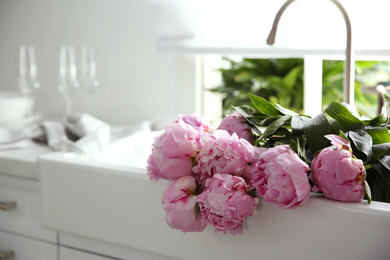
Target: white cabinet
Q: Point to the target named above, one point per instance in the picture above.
(72, 254)
(101, 249)
(20, 221)
(26, 248)
(23, 216)
(21, 230)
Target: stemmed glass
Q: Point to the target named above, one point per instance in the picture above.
(88, 78)
(27, 75)
(67, 76)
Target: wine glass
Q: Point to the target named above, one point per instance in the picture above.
(67, 76)
(27, 75)
(88, 78)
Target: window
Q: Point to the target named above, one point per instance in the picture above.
(312, 30)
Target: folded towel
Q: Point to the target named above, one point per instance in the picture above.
(81, 133)
(54, 133)
(25, 143)
(83, 124)
(94, 134)
(8, 136)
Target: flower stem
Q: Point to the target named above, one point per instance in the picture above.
(368, 167)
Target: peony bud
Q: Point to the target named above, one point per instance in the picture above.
(236, 123)
(338, 175)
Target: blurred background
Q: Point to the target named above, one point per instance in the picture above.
(162, 57)
(136, 83)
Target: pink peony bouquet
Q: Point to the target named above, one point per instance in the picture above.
(216, 173)
(209, 170)
(267, 152)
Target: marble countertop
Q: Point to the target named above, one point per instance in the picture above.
(22, 162)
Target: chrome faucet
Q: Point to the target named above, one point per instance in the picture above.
(349, 66)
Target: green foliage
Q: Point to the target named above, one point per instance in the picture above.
(277, 80)
(280, 81)
(367, 73)
(269, 94)
(370, 139)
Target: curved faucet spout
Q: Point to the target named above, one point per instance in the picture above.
(349, 66)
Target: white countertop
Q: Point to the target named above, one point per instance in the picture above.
(22, 162)
(20, 159)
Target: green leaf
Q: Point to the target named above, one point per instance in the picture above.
(294, 146)
(335, 127)
(268, 121)
(281, 136)
(243, 77)
(368, 192)
(380, 189)
(297, 123)
(244, 111)
(286, 111)
(341, 134)
(299, 148)
(379, 150)
(264, 106)
(196, 210)
(376, 121)
(385, 172)
(362, 142)
(379, 135)
(346, 120)
(315, 130)
(272, 128)
(291, 78)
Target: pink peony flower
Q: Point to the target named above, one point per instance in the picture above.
(172, 152)
(236, 123)
(338, 175)
(222, 153)
(248, 172)
(225, 203)
(179, 204)
(280, 177)
(197, 122)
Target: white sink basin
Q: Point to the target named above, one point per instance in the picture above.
(120, 205)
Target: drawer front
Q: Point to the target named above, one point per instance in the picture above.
(106, 249)
(26, 248)
(71, 254)
(24, 217)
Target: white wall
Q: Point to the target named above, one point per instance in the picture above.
(136, 82)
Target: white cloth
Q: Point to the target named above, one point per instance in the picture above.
(17, 144)
(16, 138)
(83, 124)
(92, 135)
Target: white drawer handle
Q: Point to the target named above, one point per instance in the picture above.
(6, 255)
(7, 206)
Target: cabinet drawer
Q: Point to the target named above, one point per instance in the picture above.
(71, 254)
(26, 248)
(106, 249)
(25, 217)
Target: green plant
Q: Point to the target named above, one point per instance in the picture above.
(281, 81)
(367, 74)
(278, 80)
